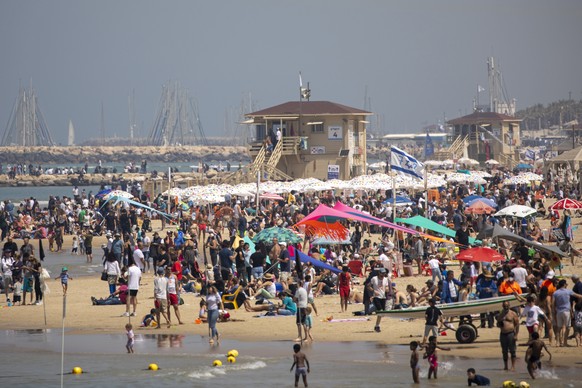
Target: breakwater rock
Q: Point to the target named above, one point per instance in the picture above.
(81, 154)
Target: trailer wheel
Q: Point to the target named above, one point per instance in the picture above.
(466, 334)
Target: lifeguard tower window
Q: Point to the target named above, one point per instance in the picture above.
(344, 153)
(317, 128)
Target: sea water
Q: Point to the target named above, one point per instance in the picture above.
(33, 358)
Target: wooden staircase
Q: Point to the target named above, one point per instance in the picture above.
(267, 162)
(455, 150)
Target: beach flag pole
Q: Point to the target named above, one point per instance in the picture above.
(63, 340)
(43, 288)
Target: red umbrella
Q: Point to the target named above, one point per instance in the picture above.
(479, 207)
(566, 203)
(481, 254)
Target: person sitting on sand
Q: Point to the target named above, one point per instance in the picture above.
(267, 290)
(118, 297)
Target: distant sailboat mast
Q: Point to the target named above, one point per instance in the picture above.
(71, 134)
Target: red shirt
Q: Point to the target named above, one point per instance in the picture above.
(177, 269)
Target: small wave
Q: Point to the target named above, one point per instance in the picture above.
(208, 372)
(547, 374)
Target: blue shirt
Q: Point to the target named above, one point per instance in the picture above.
(288, 304)
(562, 299)
(479, 381)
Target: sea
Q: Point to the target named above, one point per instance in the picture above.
(32, 358)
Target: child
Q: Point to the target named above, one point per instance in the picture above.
(149, 319)
(431, 355)
(533, 354)
(344, 287)
(130, 338)
(203, 315)
(64, 276)
(473, 378)
(308, 324)
(578, 323)
(17, 287)
(414, 361)
(74, 250)
(299, 361)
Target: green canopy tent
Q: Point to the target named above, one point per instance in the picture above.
(425, 223)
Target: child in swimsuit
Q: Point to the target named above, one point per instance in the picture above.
(300, 362)
(431, 355)
(414, 361)
(64, 276)
(130, 338)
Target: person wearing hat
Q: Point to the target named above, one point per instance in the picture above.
(435, 268)
(268, 288)
(381, 288)
(486, 288)
(117, 247)
(428, 292)
(64, 276)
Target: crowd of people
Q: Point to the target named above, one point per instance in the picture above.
(209, 250)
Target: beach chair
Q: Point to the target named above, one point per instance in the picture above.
(232, 301)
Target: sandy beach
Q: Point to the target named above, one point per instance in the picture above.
(84, 318)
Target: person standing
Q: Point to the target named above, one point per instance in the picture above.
(508, 323)
(161, 296)
(562, 311)
(301, 301)
(146, 241)
(111, 267)
(432, 316)
(214, 304)
(344, 285)
(173, 298)
(88, 243)
(133, 278)
(138, 257)
(117, 247)
(7, 262)
(226, 257)
(381, 289)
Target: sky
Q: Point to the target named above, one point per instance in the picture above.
(417, 61)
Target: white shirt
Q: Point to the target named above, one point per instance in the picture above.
(112, 268)
(133, 276)
(532, 314)
(160, 287)
(7, 263)
(452, 290)
(146, 244)
(138, 258)
(519, 275)
(434, 264)
(301, 297)
(379, 287)
(386, 262)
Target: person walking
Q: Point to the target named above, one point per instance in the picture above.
(214, 304)
(133, 278)
(508, 323)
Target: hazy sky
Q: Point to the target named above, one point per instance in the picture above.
(420, 60)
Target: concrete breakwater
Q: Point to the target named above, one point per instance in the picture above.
(84, 154)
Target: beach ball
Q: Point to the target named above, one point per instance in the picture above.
(77, 370)
(153, 367)
(233, 353)
(231, 360)
(524, 384)
(217, 363)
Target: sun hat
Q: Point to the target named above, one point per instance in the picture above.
(268, 276)
(282, 243)
(550, 274)
(160, 271)
(187, 237)
(487, 274)
(64, 269)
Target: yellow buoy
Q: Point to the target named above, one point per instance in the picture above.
(233, 353)
(524, 384)
(153, 367)
(77, 370)
(231, 359)
(217, 363)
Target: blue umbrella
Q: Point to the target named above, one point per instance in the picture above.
(471, 198)
(524, 166)
(400, 200)
(102, 193)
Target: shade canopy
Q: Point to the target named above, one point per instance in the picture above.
(425, 223)
(481, 254)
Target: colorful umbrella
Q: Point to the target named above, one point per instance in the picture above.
(271, 196)
(566, 203)
(118, 194)
(478, 206)
(282, 234)
(481, 254)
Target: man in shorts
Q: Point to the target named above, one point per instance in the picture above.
(161, 296)
(562, 306)
(133, 278)
(301, 300)
(381, 287)
(284, 262)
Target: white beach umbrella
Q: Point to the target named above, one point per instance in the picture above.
(491, 162)
(519, 211)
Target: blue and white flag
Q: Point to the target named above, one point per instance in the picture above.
(530, 154)
(428, 147)
(406, 164)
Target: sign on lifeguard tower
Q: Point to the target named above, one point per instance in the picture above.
(334, 133)
(333, 171)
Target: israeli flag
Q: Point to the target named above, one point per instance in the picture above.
(530, 154)
(406, 164)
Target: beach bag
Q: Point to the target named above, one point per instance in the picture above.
(104, 275)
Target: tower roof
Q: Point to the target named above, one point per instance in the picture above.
(308, 108)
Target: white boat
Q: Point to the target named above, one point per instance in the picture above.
(454, 309)
(466, 332)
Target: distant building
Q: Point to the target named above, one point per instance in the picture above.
(319, 139)
(487, 135)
